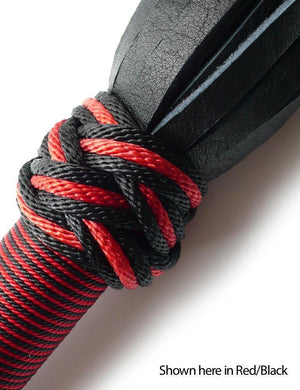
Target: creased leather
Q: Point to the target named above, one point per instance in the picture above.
(168, 43)
(155, 48)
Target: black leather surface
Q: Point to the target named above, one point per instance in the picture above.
(216, 48)
(241, 76)
(255, 119)
(172, 48)
(157, 43)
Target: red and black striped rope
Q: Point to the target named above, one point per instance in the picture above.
(103, 204)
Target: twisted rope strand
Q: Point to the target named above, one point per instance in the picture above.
(103, 204)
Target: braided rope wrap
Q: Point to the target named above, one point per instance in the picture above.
(104, 203)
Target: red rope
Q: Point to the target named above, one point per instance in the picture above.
(44, 293)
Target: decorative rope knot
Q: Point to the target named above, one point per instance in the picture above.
(108, 195)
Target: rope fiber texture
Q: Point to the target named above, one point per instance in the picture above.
(103, 204)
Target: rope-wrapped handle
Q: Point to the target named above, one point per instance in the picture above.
(104, 203)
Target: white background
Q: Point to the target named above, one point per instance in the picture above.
(234, 296)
